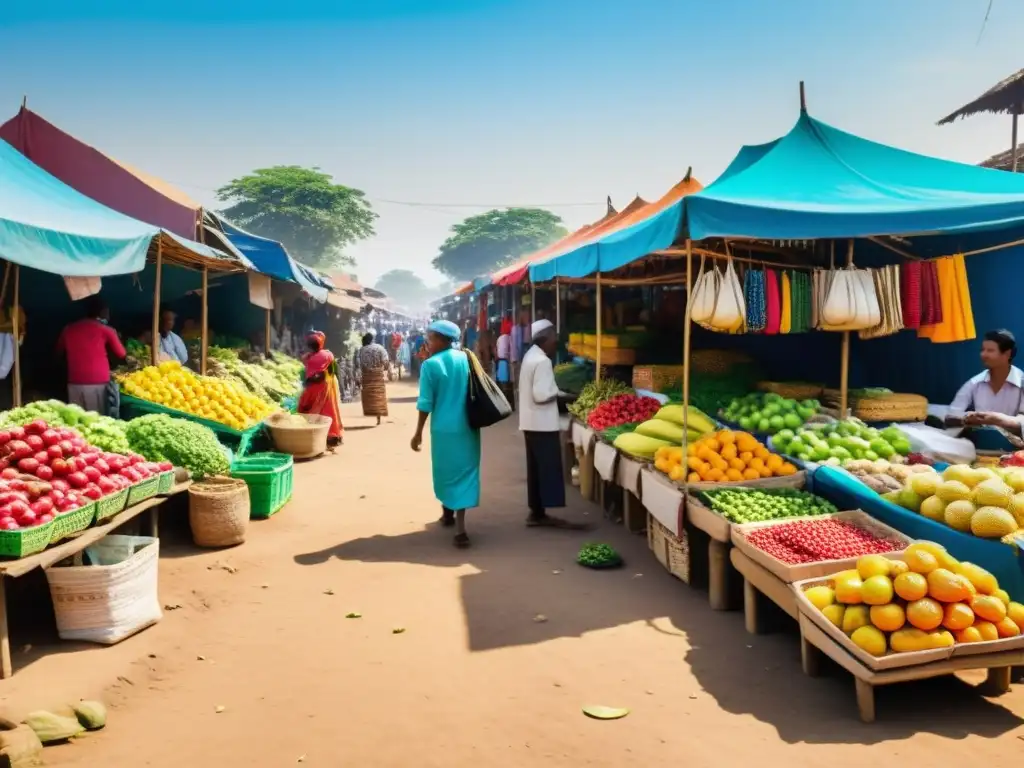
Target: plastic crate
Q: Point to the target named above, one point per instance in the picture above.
(27, 541)
(111, 504)
(143, 490)
(70, 523)
(269, 477)
(166, 482)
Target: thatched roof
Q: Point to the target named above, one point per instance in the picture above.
(1004, 160)
(1005, 97)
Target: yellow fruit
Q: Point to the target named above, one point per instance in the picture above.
(953, 490)
(877, 590)
(1003, 595)
(835, 613)
(925, 614)
(1015, 612)
(992, 523)
(920, 561)
(820, 597)
(870, 639)
(1015, 479)
(910, 586)
(925, 484)
(856, 616)
(982, 580)
(889, 617)
(941, 639)
(959, 514)
(992, 493)
(848, 588)
(989, 608)
(986, 629)
(934, 508)
(1006, 627)
(957, 616)
(907, 640)
(897, 568)
(872, 565)
(947, 587)
(969, 635)
(1016, 507)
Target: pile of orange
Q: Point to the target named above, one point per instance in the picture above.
(724, 456)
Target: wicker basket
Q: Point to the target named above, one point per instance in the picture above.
(717, 360)
(218, 511)
(672, 551)
(792, 389)
(298, 440)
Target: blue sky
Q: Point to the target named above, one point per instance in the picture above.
(496, 102)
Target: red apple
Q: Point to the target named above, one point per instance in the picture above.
(5, 437)
(60, 467)
(42, 457)
(78, 480)
(9, 474)
(43, 519)
(61, 485)
(92, 473)
(28, 466)
(36, 427)
(50, 436)
(44, 472)
(102, 466)
(17, 433)
(19, 449)
(35, 442)
(54, 452)
(8, 524)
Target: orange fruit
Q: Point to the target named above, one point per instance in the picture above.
(726, 437)
(969, 635)
(713, 445)
(1015, 611)
(1007, 628)
(888, 618)
(765, 472)
(920, 561)
(751, 474)
(987, 630)
(694, 463)
(692, 448)
(948, 587)
(677, 473)
(756, 463)
(733, 475)
(786, 470)
(910, 586)
(746, 456)
(989, 608)
(925, 613)
(739, 464)
(773, 462)
(715, 475)
(705, 453)
(729, 451)
(761, 452)
(958, 616)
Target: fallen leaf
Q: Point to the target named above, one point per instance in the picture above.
(219, 708)
(598, 712)
(200, 658)
(353, 615)
(264, 586)
(328, 591)
(172, 606)
(302, 759)
(397, 630)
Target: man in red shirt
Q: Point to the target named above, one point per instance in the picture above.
(86, 343)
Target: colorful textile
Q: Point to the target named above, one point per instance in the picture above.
(321, 393)
(772, 302)
(786, 314)
(753, 294)
(957, 323)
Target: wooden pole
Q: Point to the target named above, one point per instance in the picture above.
(266, 332)
(533, 303)
(16, 327)
(597, 375)
(1013, 138)
(844, 363)
(204, 343)
(803, 97)
(558, 311)
(686, 347)
(156, 300)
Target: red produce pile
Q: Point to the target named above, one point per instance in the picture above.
(71, 473)
(1015, 459)
(622, 409)
(811, 541)
(919, 458)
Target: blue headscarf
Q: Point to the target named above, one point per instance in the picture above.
(445, 328)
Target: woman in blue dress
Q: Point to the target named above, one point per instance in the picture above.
(454, 445)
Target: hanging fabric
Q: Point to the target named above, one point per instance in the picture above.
(786, 313)
(773, 302)
(931, 300)
(957, 323)
(753, 292)
(887, 289)
(910, 294)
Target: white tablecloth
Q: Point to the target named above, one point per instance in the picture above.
(662, 499)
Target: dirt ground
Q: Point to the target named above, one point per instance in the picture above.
(475, 679)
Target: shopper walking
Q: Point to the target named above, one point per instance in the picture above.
(454, 445)
(320, 393)
(373, 371)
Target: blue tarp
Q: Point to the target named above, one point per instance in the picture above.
(269, 258)
(820, 182)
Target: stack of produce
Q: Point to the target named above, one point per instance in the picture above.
(101, 431)
(724, 456)
(839, 441)
(137, 357)
(595, 393)
(769, 413)
(883, 476)
(269, 380)
(573, 377)
(755, 505)
(814, 541)
(926, 601)
(72, 472)
(219, 400)
(185, 444)
(988, 503)
(622, 409)
(664, 431)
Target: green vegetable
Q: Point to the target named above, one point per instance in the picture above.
(768, 412)
(597, 392)
(598, 556)
(184, 443)
(752, 505)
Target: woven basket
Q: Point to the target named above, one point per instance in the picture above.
(894, 407)
(218, 511)
(792, 389)
(298, 440)
(717, 360)
(673, 552)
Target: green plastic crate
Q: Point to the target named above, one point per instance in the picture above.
(244, 437)
(111, 504)
(27, 541)
(143, 490)
(70, 523)
(269, 477)
(166, 482)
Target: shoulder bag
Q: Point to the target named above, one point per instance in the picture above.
(485, 403)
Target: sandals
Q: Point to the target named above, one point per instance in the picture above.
(461, 541)
(447, 521)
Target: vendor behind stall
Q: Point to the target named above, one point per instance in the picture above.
(171, 344)
(86, 343)
(995, 397)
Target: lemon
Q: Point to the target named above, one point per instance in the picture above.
(869, 639)
(872, 565)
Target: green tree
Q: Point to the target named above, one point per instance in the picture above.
(405, 287)
(314, 218)
(482, 243)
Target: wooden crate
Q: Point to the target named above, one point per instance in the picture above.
(788, 572)
(797, 480)
(673, 552)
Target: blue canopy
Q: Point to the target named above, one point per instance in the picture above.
(269, 258)
(820, 182)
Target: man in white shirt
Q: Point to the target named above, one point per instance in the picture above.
(539, 423)
(995, 397)
(171, 344)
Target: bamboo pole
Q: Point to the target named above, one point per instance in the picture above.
(686, 349)
(844, 364)
(597, 375)
(16, 323)
(533, 303)
(266, 333)
(204, 343)
(1013, 139)
(156, 300)
(558, 315)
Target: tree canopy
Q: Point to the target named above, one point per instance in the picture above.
(314, 218)
(482, 243)
(405, 287)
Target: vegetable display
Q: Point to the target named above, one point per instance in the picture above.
(622, 409)
(573, 377)
(598, 556)
(270, 380)
(769, 413)
(722, 456)
(812, 541)
(594, 393)
(841, 441)
(884, 476)
(663, 431)
(184, 443)
(927, 600)
(100, 431)
(752, 505)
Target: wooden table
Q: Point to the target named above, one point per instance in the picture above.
(719, 531)
(759, 584)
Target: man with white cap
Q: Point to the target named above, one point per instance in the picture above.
(539, 423)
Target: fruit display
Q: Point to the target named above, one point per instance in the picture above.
(71, 473)
(754, 505)
(270, 380)
(100, 431)
(813, 541)
(622, 409)
(883, 476)
(573, 377)
(594, 393)
(184, 443)
(843, 440)
(639, 446)
(769, 413)
(722, 456)
(172, 386)
(985, 502)
(928, 600)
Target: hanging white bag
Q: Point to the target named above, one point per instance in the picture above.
(730, 307)
(704, 294)
(840, 308)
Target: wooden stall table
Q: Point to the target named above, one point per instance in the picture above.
(583, 440)
(719, 531)
(606, 460)
(627, 477)
(13, 569)
(759, 584)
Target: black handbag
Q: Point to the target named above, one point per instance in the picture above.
(485, 403)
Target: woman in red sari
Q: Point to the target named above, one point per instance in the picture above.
(321, 394)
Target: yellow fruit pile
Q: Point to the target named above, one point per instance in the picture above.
(220, 400)
(723, 456)
(927, 600)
